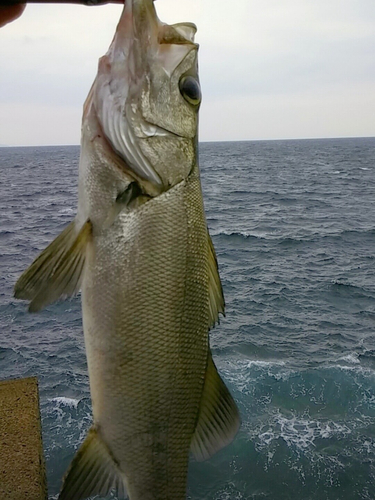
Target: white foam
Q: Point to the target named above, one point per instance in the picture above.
(229, 493)
(353, 367)
(352, 358)
(299, 432)
(242, 373)
(63, 401)
(368, 446)
(238, 232)
(264, 364)
(241, 364)
(67, 211)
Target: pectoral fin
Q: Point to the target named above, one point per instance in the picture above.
(93, 471)
(219, 419)
(57, 271)
(124, 199)
(216, 297)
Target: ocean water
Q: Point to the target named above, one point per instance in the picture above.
(293, 223)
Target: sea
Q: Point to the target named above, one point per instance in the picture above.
(293, 224)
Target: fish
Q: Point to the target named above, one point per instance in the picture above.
(140, 252)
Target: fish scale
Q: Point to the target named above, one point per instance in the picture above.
(172, 324)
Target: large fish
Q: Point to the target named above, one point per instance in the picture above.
(140, 251)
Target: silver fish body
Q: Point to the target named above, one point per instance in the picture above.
(146, 338)
(140, 251)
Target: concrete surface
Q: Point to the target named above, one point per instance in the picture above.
(22, 469)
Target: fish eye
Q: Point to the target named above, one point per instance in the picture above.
(190, 90)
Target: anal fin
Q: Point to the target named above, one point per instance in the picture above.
(219, 419)
(93, 471)
(57, 271)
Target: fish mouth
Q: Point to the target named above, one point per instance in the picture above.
(120, 71)
(125, 75)
(139, 22)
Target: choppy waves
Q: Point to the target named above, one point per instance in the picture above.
(293, 227)
(302, 427)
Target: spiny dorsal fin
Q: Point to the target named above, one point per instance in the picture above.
(57, 271)
(215, 289)
(218, 420)
(93, 471)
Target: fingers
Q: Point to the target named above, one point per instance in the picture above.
(10, 13)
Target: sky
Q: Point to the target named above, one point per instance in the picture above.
(269, 69)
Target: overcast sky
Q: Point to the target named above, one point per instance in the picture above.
(269, 69)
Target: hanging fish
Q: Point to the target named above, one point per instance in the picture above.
(140, 251)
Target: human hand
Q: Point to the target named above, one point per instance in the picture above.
(9, 13)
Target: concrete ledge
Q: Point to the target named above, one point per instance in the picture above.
(22, 469)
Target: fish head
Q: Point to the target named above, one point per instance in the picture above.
(147, 95)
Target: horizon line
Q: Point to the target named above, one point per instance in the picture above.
(210, 141)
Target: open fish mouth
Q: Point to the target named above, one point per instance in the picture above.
(137, 96)
(119, 75)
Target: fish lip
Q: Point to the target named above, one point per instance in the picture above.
(141, 21)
